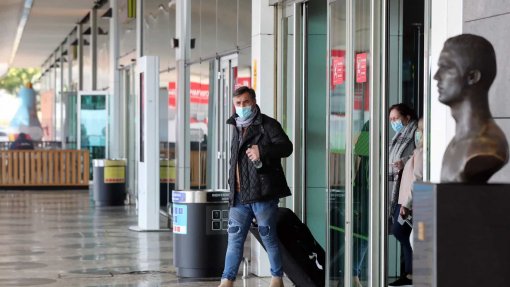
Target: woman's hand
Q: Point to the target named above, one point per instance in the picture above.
(399, 165)
(404, 212)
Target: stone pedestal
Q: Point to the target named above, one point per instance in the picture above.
(461, 235)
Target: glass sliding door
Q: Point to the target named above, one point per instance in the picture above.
(353, 150)
(303, 46)
(291, 91)
(337, 141)
(360, 137)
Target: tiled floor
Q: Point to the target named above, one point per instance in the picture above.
(56, 238)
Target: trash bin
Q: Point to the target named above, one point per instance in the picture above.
(200, 222)
(109, 186)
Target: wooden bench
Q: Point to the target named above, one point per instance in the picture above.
(44, 168)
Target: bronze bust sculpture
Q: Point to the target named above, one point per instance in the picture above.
(467, 68)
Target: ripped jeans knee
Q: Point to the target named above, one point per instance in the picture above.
(233, 227)
(264, 230)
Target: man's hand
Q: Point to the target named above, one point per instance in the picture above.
(404, 212)
(253, 153)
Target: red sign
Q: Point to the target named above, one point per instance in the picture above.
(361, 68)
(338, 68)
(243, 81)
(199, 93)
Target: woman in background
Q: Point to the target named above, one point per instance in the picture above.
(402, 227)
(404, 122)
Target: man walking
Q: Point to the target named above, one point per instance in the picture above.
(256, 182)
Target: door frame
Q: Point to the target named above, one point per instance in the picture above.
(222, 110)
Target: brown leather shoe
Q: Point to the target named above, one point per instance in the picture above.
(226, 283)
(276, 282)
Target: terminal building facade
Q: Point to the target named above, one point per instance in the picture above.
(328, 70)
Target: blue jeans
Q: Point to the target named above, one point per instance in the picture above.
(239, 221)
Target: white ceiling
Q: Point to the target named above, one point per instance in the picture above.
(49, 22)
(10, 13)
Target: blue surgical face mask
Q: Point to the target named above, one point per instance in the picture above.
(244, 112)
(417, 138)
(397, 126)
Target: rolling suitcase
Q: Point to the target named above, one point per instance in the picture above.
(302, 257)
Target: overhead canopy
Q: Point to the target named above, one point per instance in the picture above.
(48, 24)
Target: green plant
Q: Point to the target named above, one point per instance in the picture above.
(16, 77)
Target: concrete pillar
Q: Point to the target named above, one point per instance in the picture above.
(263, 56)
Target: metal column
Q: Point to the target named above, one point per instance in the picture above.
(93, 48)
(182, 146)
(115, 131)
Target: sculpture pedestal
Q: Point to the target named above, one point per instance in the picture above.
(461, 235)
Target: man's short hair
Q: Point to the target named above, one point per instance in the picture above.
(243, 90)
(478, 54)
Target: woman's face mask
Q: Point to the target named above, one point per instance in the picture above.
(417, 138)
(244, 112)
(397, 126)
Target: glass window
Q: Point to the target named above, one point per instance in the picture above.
(226, 21)
(208, 43)
(103, 52)
(200, 90)
(127, 29)
(167, 135)
(73, 50)
(244, 23)
(219, 26)
(87, 65)
(158, 31)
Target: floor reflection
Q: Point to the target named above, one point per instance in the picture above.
(56, 238)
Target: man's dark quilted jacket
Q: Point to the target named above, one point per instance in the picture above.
(269, 181)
